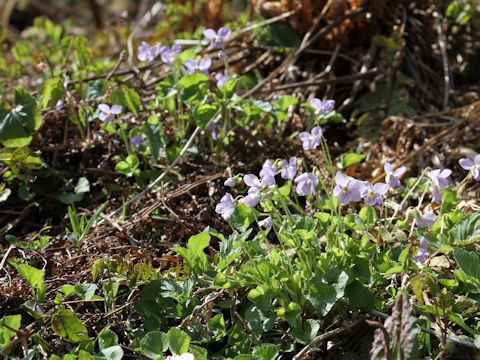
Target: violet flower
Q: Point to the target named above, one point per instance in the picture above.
(306, 184)
(392, 177)
(221, 78)
(252, 199)
(226, 207)
(253, 182)
(347, 188)
(230, 182)
(266, 223)
(136, 141)
(217, 39)
(256, 185)
(424, 221)
(107, 113)
(268, 169)
(439, 182)
(147, 53)
(193, 67)
(59, 104)
(213, 127)
(311, 140)
(289, 169)
(170, 55)
(473, 166)
(423, 255)
(322, 107)
(374, 194)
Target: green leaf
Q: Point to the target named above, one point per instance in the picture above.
(197, 243)
(34, 277)
(68, 326)
(17, 124)
(449, 200)
(350, 159)
(6, 335)
(52, 91)
(290, 312)
(86, 291)
(199, 353)
(154, 344)
(25, 193)
(128, 98)
(459, 12)
(107, 338)
(110, 353)
(261, 296)
(82, 52)
(192, 80)
(267, 352)
(243, 216)
(285, 102)
(97, 268)
(467, 231)
(368, 215)
(186, 55)
(96, 89)
(458, 319)
(307, 331)
(228, 89)
(323, 292)
(359, 296)
(127, 166)
(193, 254)
(156, 139)
(205, 113)
(179, 341)
(468, 262)
(66, 45)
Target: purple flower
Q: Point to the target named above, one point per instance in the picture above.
(221, 78)
(268, 170)
(226, 207)
(311, 140)
(219, 38)
(439, 182)
(58, 105)
(170, 55)
(137, 140)
(347, 188)
(251, 199)
(289, 169)
(374, 194)
(253, 181)
(424, 221)
(230, 182)
(423, 255)
(213, 128)
(392, 177)
(306, 184)
(266, 223)
(322, 107)
(107, 114)
(256, 185)
(192, 66)
(147, 53)
(473, 166)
